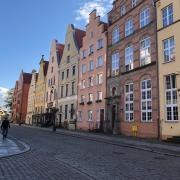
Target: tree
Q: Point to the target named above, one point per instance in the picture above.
(9, 99)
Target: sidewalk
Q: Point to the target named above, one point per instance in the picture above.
(11, 146)
(151, 145)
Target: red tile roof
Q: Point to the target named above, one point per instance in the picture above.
(79, 34)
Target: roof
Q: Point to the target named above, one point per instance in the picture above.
(60, 48)
(79, 34)
(27, 78)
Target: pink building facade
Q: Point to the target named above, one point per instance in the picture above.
(92, 76)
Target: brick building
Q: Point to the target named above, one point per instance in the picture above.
(92, 75)
(20, 98)
(132, 83)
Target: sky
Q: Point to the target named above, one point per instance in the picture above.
(27, 28)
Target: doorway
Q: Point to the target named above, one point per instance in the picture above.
(101, 127)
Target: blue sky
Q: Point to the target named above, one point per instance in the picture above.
(27, 28)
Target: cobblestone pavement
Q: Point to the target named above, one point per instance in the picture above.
(57, 156)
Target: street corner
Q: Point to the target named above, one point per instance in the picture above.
(11, 146)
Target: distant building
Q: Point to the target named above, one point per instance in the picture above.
(40, 91)
(52, 77)
(168, 29)
(31, 98)
(20, 98)
(92, 76)
(68, 77)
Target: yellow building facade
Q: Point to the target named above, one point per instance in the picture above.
(168, 33)
(40, 88)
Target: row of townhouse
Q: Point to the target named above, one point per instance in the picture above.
(121, 77)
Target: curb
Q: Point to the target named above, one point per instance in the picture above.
(26, 148)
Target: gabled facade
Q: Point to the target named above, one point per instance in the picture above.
(31, 98)
(68, 77)
(92, 76)
(20, 98)
(132, 83)
(40, 90)
(168, 29)
(52, 77)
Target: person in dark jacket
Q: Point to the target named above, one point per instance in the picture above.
(4, 127)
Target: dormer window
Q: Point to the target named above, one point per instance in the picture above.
(123, 10)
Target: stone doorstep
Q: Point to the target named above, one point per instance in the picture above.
(120, 140)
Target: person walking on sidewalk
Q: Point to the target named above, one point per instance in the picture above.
(4, 127)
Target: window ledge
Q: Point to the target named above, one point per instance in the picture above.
(171, 121)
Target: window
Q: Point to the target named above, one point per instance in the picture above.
(90, 81)
(91, 65)
(46, 96)
(144, 17)
(55, 94)
(62, 77)
(67, 89)
(167, 15)
(145, 54)
(91, 35)
(53, 59)
(73, 70)
(91, 49)
(68, 59)
(114, 91)
(134, 3)
(129, 58)
(100, 43)
(129, 28)
(68, 47)
(90, 97)
(146, 100)
(115, 63)
(67, 73)
(82, 85)
(82, 98)
(54, 81)
(66, 111)
(73, 88)
(100, 61)
(99, 79)
(72, 110)
(84, 54)
(62, 89)
(90, 114)
(168, 49)
(115, 35)
(129, 106)
(123, 10)
(52, 69)
(99, 95)
(171, 98)
(83, 68)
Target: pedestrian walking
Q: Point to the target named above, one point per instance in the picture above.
(4, 127)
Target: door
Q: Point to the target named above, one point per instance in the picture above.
(101, 120)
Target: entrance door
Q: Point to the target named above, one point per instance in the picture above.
(113, 116)
(101, 120)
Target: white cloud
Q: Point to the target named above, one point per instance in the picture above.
(3, 94)
(102, 7)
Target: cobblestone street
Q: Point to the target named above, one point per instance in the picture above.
(56, 156)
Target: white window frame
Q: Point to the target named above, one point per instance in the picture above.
(99, 95)
(91, 65)
(100, 44)
(129, 27)
(134, 3)
(146, 100)
(171, 103)
(90, 81)
(115, 63)
(129, 102)
(123, 10)
(169, 49)
(83, 68)
(129, 58)
(99, 79)
(144, 17)
(115, 34)
(90, 115)
(99, 61)
(145, 51)
(167, 19)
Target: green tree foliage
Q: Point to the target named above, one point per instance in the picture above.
(8, 100)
